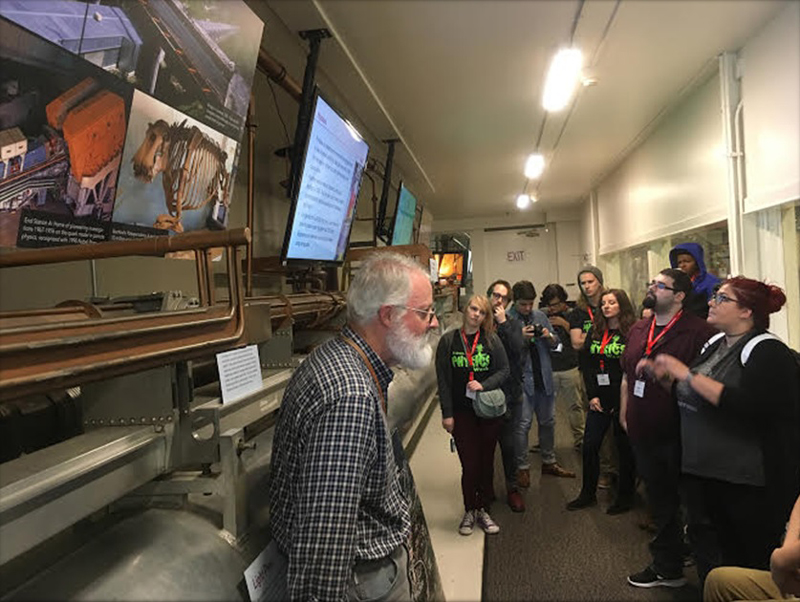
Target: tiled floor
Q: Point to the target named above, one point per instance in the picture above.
(437, 474)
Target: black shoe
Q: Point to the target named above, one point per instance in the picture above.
(619, 507)
(649, 578)
(581, 502)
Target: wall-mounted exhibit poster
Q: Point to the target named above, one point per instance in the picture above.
(176, 172)
(84, 156)
(62, 128)
(196, 56)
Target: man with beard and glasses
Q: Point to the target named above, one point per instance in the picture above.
(339, 515)
(509, 330)
(649, 414)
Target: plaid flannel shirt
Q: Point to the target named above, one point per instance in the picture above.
(334, 491)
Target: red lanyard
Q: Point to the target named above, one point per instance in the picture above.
(651, 342)
(591, 315)
(471, 351)
(606, 340)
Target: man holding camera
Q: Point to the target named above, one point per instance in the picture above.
(537, 385)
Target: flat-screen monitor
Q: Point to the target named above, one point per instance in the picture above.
(323, 210)
(404, 215)
(451, 267)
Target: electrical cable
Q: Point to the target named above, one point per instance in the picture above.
(283, 123)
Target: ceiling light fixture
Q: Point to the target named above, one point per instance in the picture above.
(534, 166)
(523, 201)
(562, 77)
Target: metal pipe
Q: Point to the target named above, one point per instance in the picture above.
(93, 271)
(251, 141)
(277, 73)
(157, 246)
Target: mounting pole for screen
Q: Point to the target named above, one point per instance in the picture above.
(387, 180)
(314, 37)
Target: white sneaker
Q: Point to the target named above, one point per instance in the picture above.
(467, 523)
(486, 523)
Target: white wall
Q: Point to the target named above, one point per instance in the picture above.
(554, 256)
(771, 97)
(674, 181)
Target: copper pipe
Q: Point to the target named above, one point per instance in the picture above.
(157, 245)
(277, 73)
(251, 141)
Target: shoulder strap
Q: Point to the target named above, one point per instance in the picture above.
(371, 370)
(711, 341)
(748, 348)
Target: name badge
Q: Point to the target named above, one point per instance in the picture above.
(470, 394)
(604, 380)
(638, 388)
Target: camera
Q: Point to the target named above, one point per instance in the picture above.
(538, 330)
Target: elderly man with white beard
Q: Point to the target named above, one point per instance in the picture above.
(338, 514)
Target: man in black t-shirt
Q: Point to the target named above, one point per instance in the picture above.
(567, 381)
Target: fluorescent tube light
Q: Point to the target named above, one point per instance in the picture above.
(561, 79)
(534, 166)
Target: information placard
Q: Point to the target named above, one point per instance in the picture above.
(239, 373)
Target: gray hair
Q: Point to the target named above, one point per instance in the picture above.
(381, 279)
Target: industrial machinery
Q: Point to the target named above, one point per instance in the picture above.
(140, 483)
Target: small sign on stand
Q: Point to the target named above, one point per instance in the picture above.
(239, 373)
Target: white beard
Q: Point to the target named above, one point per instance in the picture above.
(409, 350)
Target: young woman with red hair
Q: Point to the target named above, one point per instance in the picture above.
(740, 427)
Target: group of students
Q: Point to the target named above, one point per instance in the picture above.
(703, 401)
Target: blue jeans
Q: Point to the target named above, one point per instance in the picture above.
(544, 407)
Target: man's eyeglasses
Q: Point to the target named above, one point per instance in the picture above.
(659, 285)
(429, 313)
(499, 297)
(723, 298)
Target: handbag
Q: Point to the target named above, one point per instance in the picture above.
(489, 404)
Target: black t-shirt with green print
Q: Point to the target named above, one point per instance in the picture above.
(596, 360)
(481, 363)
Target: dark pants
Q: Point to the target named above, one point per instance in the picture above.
(659, 464)
(476, 439)
(597, 424)
(508, 443)
(730, 525)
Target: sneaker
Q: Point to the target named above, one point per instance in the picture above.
(581, 502)
(515, 501)
(467, 523)
(649, 578)
(486, 523)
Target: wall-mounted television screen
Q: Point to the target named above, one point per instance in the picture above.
(451, 267)
(404, 215)
(323, 210)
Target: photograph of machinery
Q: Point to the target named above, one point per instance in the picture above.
(62, 128)
(176, 172)
(196, 56)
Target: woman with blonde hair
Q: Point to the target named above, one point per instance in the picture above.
(469, 360)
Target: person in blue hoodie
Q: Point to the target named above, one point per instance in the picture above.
(688, 258)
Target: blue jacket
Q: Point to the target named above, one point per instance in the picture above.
(542, 347)
(704, 282)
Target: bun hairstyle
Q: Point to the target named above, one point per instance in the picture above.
(759, 297)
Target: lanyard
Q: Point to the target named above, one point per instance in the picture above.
(371, 370)
(470, 352)
(651, 342)
(606, 340)
(591, 314)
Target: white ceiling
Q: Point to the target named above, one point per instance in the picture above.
(460, 83)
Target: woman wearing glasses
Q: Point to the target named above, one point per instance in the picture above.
(602, 375)
(740, 427)
(468, 360)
